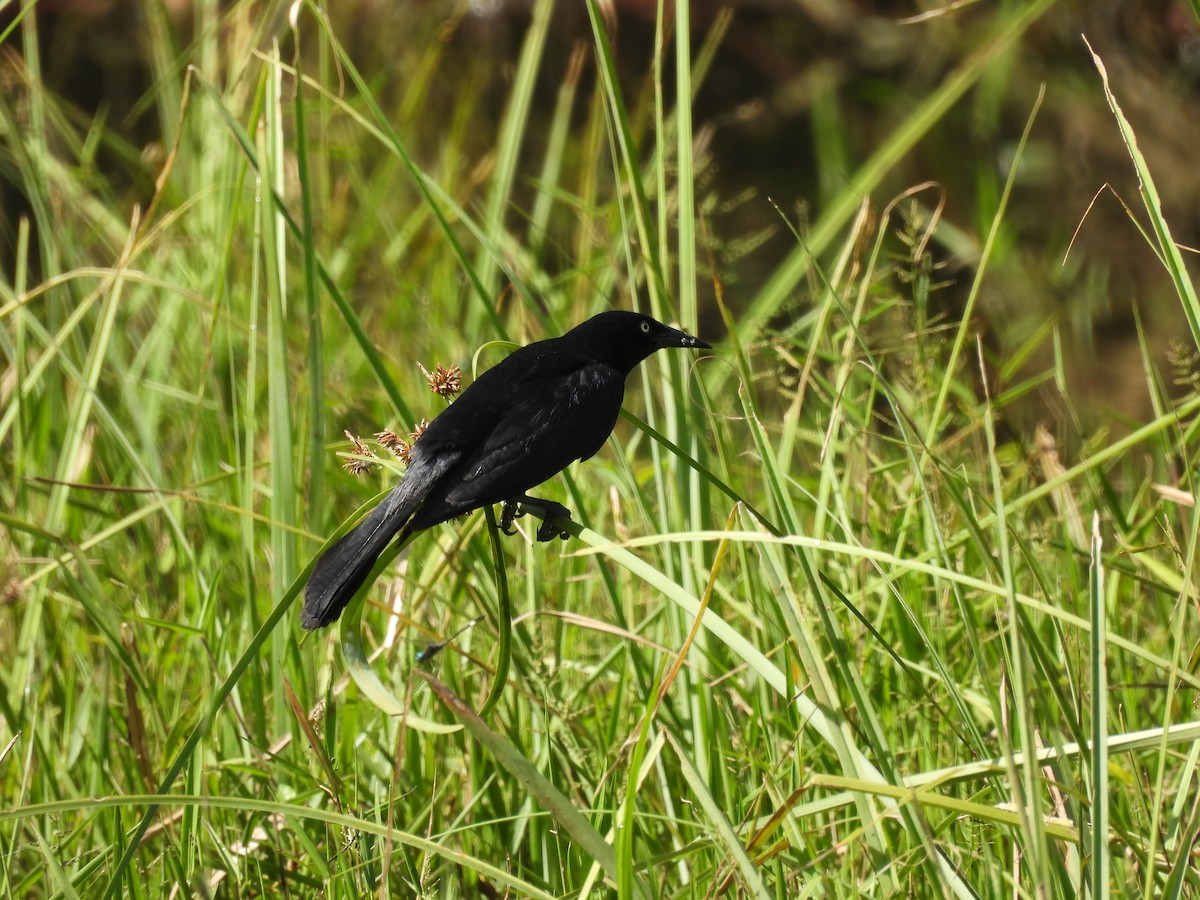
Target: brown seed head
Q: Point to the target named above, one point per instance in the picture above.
(400, 448)
(443, 381)
(353, 464)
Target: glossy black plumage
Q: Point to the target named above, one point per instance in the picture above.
(520, 423)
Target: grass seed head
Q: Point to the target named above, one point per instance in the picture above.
(353, 464)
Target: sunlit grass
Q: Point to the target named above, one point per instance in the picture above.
(826, 624)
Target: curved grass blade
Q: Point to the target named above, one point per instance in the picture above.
(506, 753)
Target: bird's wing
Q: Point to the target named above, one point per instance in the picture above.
(553, 423)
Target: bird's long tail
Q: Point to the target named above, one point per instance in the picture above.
(345, 566)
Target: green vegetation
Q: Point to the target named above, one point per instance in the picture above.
(833, 626)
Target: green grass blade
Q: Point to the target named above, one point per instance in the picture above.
(1169, 251)
(751, 879)
(1099, 865)
(564, 812)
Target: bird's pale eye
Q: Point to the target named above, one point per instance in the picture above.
(645, 328)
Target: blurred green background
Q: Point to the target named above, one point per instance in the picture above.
(798, 96)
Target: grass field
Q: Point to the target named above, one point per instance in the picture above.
(830, 625)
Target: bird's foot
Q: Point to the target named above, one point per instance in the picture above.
(509, 513)
(550, 512)
(550, 529)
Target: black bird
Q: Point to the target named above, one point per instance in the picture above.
(520, 423)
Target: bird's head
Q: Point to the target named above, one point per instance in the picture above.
(624, 339)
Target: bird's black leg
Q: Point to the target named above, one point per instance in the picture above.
(548, 511)
(509, 513)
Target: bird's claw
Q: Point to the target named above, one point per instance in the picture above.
(510, 512)
(550, 529)
(552, 515)
(550, 512)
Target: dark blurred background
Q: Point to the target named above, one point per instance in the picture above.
(798, 96)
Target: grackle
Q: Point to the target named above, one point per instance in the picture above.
(520, 423)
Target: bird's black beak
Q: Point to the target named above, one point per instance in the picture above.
(675, 338)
